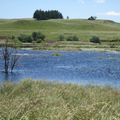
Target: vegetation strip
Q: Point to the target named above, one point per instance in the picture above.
(40, 100)
(62, 34)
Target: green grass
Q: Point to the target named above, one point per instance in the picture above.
(38, 100)
(84, 29)
(52, 28)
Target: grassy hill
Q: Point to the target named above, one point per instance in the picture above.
(84, 29)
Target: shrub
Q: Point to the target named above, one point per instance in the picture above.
(72, 38)
(92, 18)
(38, 36)
(13, 37)
(61, 37)
(112, 45)
(56, 54)
(25, 38)
(95, 39)
(75, 38)
(39, 41)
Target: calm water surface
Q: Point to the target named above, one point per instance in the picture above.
(83, 67)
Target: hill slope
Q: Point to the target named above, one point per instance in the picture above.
(84, 29)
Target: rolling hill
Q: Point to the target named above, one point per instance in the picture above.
(106, 30)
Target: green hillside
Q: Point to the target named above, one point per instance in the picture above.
(106, 30)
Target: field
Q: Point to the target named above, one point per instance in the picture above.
(107, 31)
(38, 100)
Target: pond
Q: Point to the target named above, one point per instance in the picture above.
(79, 67)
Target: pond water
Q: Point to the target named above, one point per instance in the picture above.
(83, 67)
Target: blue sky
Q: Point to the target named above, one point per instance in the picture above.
(103, 9)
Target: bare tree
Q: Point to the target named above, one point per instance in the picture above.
(9, 56)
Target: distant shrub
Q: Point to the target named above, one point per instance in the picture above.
(25, 38)
(39, 41)
(61, 37)
(12, 37)
(72, 38)
(92, 18)
(38, 36)
(112, 45)
(95, 39)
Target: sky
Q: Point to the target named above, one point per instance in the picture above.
(103, 9)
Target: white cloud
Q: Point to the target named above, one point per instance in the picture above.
(100, 1)
(112, 13)
(97, 1)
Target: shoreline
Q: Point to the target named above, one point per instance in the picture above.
(81, 49)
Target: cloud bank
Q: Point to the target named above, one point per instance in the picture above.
(113, 13)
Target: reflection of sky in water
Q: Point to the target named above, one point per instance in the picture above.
(101, 68)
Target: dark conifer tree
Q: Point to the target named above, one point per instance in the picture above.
(45, 15)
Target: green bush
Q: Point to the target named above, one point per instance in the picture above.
(38, 36)
(72, 38)
(61, 37)
(25, 38)
(13, 37)
(39, 41)
(112, 45)
(95, 39)
(56, 54)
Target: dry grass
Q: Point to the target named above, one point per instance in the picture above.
(38, 100)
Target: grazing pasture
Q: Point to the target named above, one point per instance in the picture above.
(107, 31)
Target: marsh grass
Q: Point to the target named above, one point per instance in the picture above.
(38, 100)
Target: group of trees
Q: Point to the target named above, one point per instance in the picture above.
(92, 18)
(45, 15)
(52, 14)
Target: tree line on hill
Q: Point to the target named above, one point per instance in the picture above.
(45, 15)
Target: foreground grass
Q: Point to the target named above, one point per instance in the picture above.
(38, 100)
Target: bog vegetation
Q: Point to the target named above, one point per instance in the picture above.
(38, 100)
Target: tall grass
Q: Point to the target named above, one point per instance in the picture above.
(38, 100)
